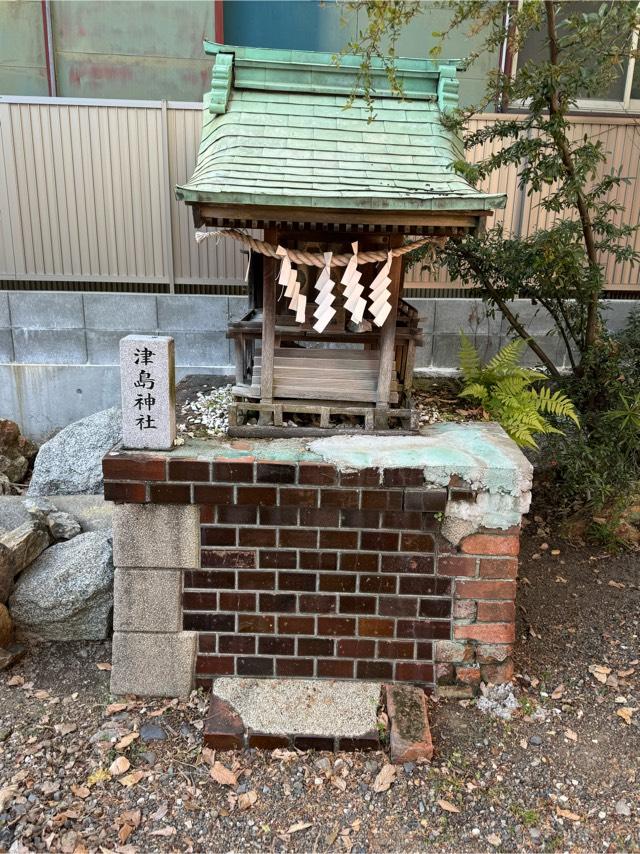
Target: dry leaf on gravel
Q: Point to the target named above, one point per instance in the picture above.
(104, 665)
(162, 810)
(15, 681)
(494, 839)
(131, 779)
(301, 825)
(164, 831)
(127, 740)
(119, 766)
(599, 672)
(559, 691)
(114, 708)
(6, 796)
(385, 778)
(571, 735)
(222, 775)
(572, 816)
(81, 791)
(447, 806)
(247, 799)
(65, 729)
(626, 713)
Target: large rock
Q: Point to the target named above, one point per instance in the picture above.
(67, 593)
(71, 462)
(16, 451)
(18, 549)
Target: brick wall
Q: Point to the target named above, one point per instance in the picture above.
(308, 571)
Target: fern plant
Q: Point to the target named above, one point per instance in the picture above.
(509, 394)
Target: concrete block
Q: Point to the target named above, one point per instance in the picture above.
(427, 311)
(616, 313)
(147, 600)
(56, 346)
(132, 313)
(424, 354)
(192, 314)
(6, 346)
(156, 536)
(237, 307)
(446, 348)
(153, 665)
(535, 319)
(103, 347)
(202, 349)
(46, 310)
(148, 384)
(5, 316)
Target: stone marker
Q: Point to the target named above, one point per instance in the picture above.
(147, 376)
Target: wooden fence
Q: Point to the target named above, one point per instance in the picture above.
(86, 197)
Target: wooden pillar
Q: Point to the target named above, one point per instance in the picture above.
(388, 338)
(268, 320)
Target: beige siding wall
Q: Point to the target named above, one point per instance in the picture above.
(86, 194)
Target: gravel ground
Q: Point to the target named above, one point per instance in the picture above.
(78, 772)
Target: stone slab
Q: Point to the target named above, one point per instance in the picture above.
(148, 388)
(153, 665)
(147, 600)
(163, 536)
(302, 706)
(92, 511)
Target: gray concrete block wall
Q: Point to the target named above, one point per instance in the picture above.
(59, 351)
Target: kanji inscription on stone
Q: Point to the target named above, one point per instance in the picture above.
(147, 377)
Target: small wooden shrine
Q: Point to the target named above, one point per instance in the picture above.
(340, 201)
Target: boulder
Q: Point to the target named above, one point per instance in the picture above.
(67, 593)
(6, 627)
(16, 451)
(71, 462)
(62, 526)
(18, 549)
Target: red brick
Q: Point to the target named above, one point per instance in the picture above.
(357, 605)
(237, 515)
(257, 537)
(381, 499)
(318, 560)
(368, 741)
(294, 667)
(170, 493)
(400, 520)
(497, 673)
(338, 583)
(254, 666)
(317, 604)
(218, 536)
(487, 632)
(486, 590)
(424, 651)
(236, 471)
(398, 606)
(395, 649)
(320, 517)
(425, 500)
(298, 538)
(410, 736)
(278, 515)
(453, 566)
(237, 601)
(437, 608)
(275, 473)
(414, 542)
(278, 559)
(356, 648)
(207, 643)
(134, 468)
(424, 585)
(132, 493)
(360, 477)
(208, 580)
(316, 646)
(237, 644)
(314, 742)
(296, 625)
(491, 544)
(360, 518)
(407, 563)
(335, 626)
(296, 497)
(220, 665)
(317, 474)
(254, 495)
(338, 539)
(492, 653)
(468, 675)
(265, 741)
(276, 646)
(197, 470)
(207, 514)
(496, 568)
(228, 559)
(335, 668)
(413, 671)
(377, 628)
(423, 629)
(192, 601)
(403, 477)
(208, 622)
(374, 669)
(496, 612)
(297, 581)
(213, 494)
(282, 603)
(377, 584)
(379, 540)
(339, 498)
(358, 562)
(256, 623)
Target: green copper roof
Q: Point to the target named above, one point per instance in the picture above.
(276, 132)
